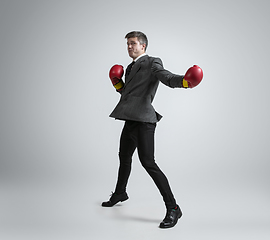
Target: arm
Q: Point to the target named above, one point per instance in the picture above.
(165, 76)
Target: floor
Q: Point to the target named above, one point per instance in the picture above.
(69, 212)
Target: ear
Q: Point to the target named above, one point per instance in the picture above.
(144, 45)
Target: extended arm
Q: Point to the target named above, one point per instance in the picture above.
(191, 79)
(165, 76)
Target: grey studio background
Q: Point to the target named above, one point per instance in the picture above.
(58, 151)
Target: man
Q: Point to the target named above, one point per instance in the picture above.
(135, 108)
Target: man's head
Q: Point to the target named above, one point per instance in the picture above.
(136, 44)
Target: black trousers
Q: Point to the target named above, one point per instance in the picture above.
(140, 135)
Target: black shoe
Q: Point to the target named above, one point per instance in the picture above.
(171, 218)
(115, 198)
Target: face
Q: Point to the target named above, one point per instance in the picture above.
(135, 49)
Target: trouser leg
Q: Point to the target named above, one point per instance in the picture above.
(145, 146)
(126, 150)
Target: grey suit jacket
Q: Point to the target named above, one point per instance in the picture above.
(140, 88)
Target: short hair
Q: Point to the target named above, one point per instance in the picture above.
(140, 36)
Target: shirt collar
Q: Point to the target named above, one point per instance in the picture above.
(139, 57)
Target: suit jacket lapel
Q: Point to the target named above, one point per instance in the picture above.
(136, 67)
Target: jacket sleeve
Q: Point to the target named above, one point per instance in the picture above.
(165, 76)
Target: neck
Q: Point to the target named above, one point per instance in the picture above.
(135, 59)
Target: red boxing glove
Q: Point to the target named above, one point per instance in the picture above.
(193, 77)
(115, 75)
